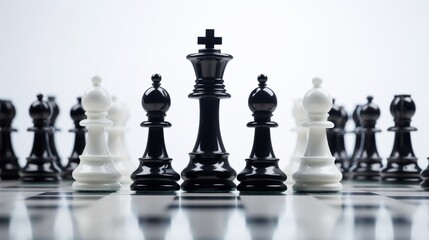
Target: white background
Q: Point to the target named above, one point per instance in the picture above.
(357, 47)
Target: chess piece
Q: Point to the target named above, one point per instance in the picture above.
(402, 164)
(40, 165)
(155, 172)
(358, 137)
(96, 170)
(425, 176)
(118, 114)
(55, 113)
(367, 163)
(208, 169)
(299, 116)
(317, 172)
(262, 172)
(338, 116)
(77, 113)
(9, 166)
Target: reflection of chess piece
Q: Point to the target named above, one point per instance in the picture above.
(208, 169)
(402, 217)
(262, 172)
(367, 164)
(317, 172)
(9, 167)
(263, 213)
(118, 114)
(155, 172)
(40, 165)
(77, 113)
(300, 116)
(96, 170)
(402, 164)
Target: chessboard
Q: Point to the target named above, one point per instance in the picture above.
(363, 210)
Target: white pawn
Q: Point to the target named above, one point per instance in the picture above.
(96, 170)
(118, 114)
(299, 115)
(317, 171)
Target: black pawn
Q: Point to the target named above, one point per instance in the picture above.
(402, 164)
(9, 167)
(208, 169)
(40, 165)
(368, 162)
(425, 176)
(339, 117)
(77, 113)
(155, 172)
(358, 136)
(52, 121)
(262, 172)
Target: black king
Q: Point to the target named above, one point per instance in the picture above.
(208, 169)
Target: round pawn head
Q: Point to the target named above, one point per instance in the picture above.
(298, 112)
(317, 99)
(262, 98)
(96, 98)
(369, 112)
(117, 113)
(77, 113)
(402, 107)
(55, 110)
(156, 98)
(7, 113)
(40, 110)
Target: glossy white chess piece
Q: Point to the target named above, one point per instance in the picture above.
(118, 114)
(96, 170)
(317, 171)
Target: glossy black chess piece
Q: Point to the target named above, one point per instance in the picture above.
(425, 176)
(52, 121)
(262, 173)
(9, 166)
(208, 169)
(402, 164)
(40, 165)
(368, 162)
(358, 137)
(338, 115)
(155, 172)
(77, 113)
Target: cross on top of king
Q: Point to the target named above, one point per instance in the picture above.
(210, 40)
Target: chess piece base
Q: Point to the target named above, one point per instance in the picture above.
(401, 169)
(96, 187)
(9, 169)
(366, 170)
(40, 170)
(155, 175)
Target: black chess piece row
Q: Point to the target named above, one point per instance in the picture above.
(44, 162)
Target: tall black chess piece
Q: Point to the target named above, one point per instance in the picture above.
(9, 167)
(402, 164)
(154, 172)
(77, 113)
(358, 137)
(52, 121)
(338, 115)
(368, 162)
(262, 172)
(40, 165)
(425, 176)
(208, 169)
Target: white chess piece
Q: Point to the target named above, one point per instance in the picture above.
(118, 114)
(96, 170)
(317, 171)
(300, 116)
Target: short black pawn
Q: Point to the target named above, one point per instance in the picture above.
(77, 113)
(368, 162)
(262, 173)
(425, 176)
(155, 172)
(338, 115)
(208, 169)
(40, 165)
(9, 167)
(52, 121)
(358, 136)
(402, 164)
